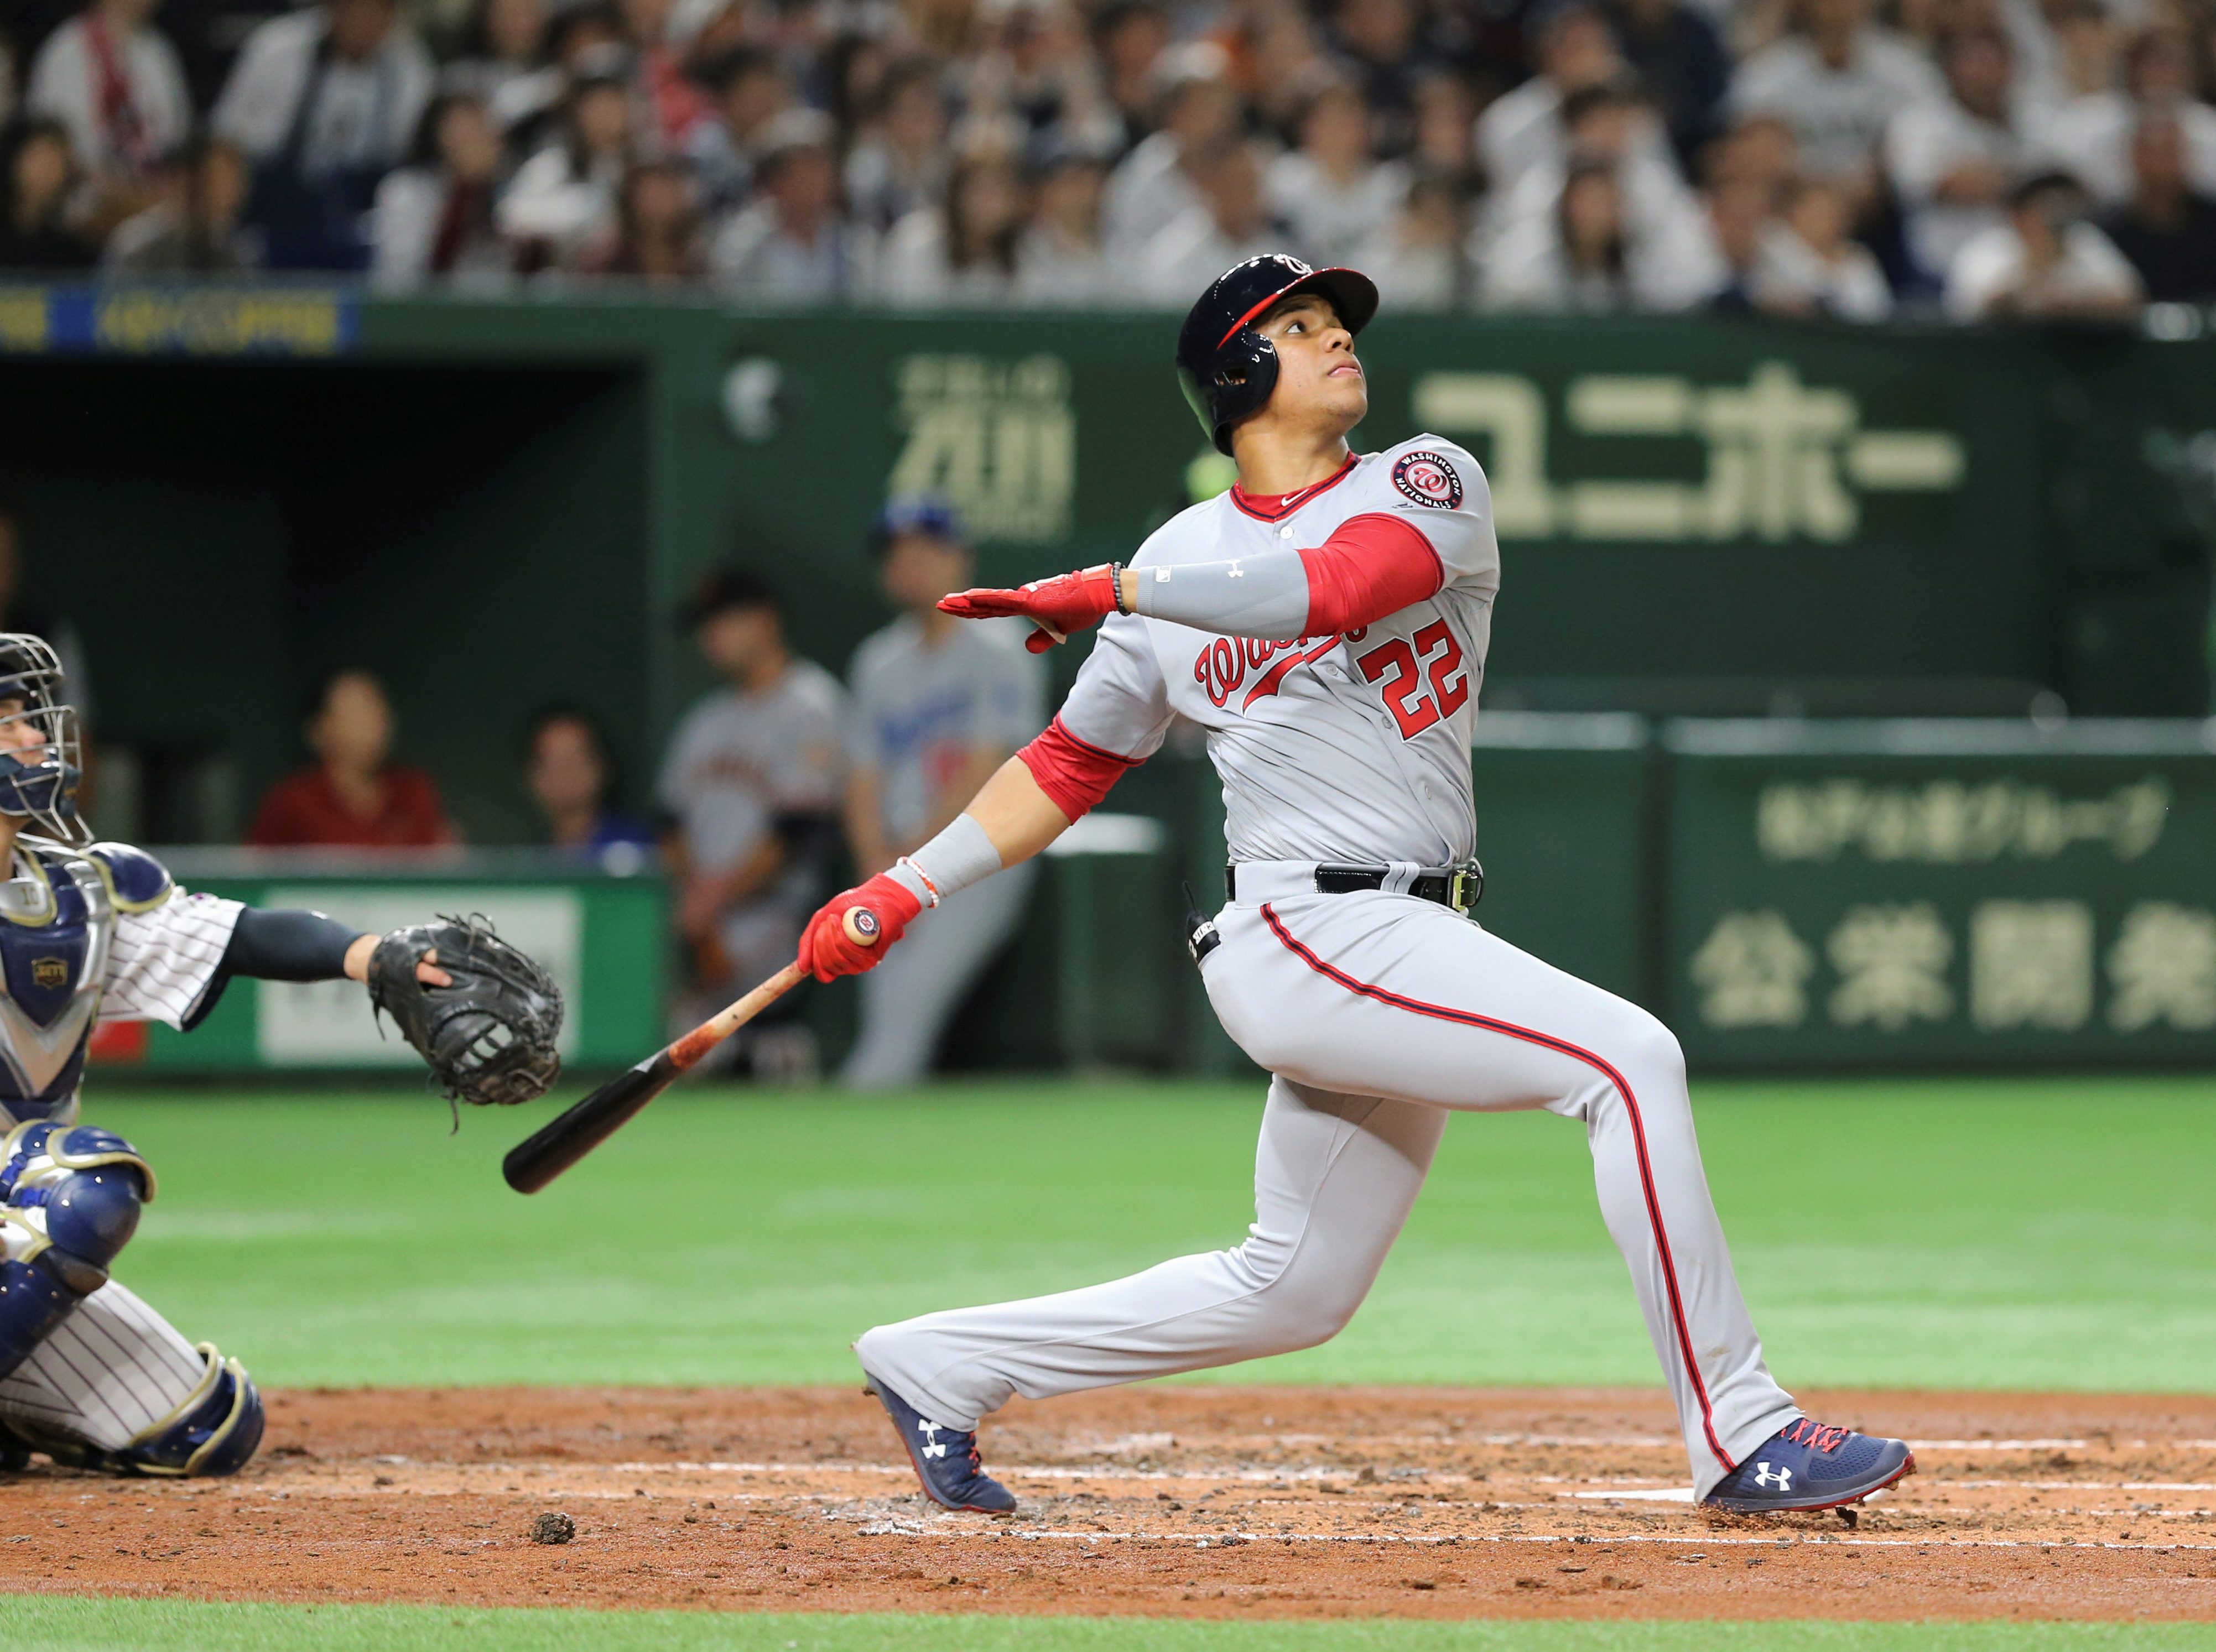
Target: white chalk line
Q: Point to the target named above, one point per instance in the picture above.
(1240, 1540)
(1627, 1490)
(1264, 1477)
(2080, 1485)
(1653, 1441)
(1252, 1476)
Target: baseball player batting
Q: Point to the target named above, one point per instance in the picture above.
(97, 932)
(1326, 620)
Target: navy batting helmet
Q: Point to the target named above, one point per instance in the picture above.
(1226, 366)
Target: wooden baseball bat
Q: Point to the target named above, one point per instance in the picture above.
(539, 1157)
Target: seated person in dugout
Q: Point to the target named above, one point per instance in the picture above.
(353, 796)
(567, 768)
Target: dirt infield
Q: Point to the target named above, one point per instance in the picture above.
(1207, 1502)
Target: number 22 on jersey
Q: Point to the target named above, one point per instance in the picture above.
(1402, 670)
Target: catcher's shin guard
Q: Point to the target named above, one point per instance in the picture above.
(214, 1431)
(69, 1202)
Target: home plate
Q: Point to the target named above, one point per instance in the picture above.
(1667, 1495)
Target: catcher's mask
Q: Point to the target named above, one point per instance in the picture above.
(41, 759)
(1226, 366)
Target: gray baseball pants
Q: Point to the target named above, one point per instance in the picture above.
(1378, 1013)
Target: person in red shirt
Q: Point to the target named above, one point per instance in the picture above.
(353, 798)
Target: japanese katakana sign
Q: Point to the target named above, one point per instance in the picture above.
(1785, 459)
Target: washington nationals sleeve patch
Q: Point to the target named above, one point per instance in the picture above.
(1426, 478)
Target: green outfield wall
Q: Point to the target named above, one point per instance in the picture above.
(1789, 894)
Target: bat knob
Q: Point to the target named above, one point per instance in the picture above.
(861, 926)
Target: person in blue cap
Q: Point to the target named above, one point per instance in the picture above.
(938, 706)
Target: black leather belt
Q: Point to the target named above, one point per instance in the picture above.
(1460, 889)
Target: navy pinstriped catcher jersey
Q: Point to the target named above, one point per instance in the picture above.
(92, 935)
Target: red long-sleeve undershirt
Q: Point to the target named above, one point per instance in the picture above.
(1074, 776)
(1370, 567)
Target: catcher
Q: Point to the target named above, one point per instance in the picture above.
(97, 932)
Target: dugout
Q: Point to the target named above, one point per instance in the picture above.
(223, 532)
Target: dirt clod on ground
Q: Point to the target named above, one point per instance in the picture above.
(1193, 1501)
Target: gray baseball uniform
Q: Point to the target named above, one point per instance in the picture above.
(739, 764)
(1376, 1010)
(920, 711)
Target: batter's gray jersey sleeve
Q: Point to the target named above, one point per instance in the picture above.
(1120, 703)
(161, 961)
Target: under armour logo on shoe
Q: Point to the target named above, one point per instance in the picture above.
(932, 1446)
(1765, 1477)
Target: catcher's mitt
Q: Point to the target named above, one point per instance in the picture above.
(490, 1037)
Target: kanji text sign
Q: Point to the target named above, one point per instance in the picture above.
(1835, 897)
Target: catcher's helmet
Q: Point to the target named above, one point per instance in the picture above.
(1227, 368)
(40, 759)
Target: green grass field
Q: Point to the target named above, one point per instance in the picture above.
(56, 1625)
(2004, 1233)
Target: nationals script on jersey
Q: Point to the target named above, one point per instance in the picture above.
(1342, 748)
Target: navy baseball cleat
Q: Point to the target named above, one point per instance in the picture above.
(945, 1459)
(1810, 1466)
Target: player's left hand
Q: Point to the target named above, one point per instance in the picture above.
(1058, 606)
(486, 1025)
(427, 967)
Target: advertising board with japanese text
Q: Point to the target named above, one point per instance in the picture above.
(1942, 894)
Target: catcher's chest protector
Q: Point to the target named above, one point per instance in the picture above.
(57, 921)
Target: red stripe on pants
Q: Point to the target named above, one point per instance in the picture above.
(1487, 1023)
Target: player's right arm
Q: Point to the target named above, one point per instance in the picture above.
(1429, 528)
(1114, 719)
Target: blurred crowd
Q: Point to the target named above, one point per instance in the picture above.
(1849, 157)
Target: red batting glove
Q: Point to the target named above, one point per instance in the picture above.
(826, 950)
(1065, 603)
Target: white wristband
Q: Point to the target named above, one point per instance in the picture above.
(905, 873)
(957, 857)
